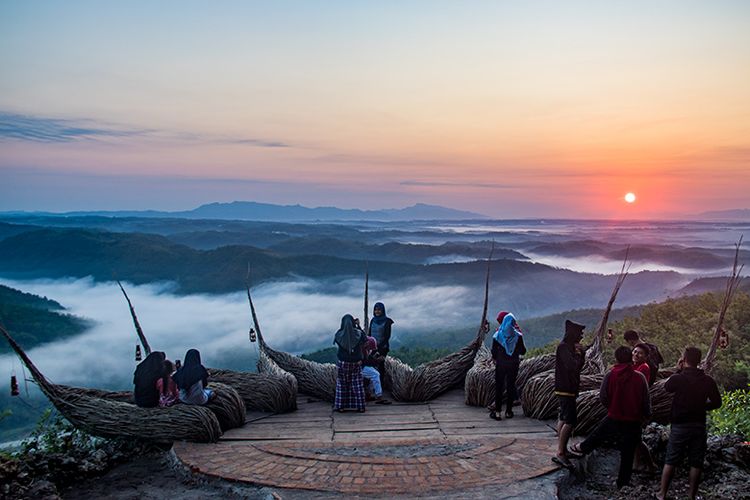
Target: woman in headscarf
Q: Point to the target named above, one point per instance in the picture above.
(350, 390)
(380, 328)
(192, 379)
(507, 348)
(144, 380)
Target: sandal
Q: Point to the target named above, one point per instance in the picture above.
(495, 415)
(575, 451)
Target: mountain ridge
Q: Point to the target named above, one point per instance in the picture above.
(251, 210)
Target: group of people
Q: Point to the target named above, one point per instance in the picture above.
(625, 393)
(361, 356)
(158, 384)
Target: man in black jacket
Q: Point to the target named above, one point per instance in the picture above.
(569, 359)
(695, 393)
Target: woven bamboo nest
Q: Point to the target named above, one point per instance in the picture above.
(314, 379)
(110, 415)
(272, 390)
(427, 381)
(479, 389)
(539, 400)
(260, 391)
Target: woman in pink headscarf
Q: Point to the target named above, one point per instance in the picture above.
(507, 349)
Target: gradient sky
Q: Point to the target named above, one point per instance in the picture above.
(511, 109)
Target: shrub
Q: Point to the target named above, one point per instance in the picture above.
(733, 417)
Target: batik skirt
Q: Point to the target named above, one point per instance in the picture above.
(350, 391)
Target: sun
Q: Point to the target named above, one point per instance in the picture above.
(630, 197)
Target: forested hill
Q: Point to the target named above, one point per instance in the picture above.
(528, 288)
(35, 320)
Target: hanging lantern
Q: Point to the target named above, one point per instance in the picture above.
(138, 356)
(723, 339)
(14, 386)
(610, 336)
(253, 335)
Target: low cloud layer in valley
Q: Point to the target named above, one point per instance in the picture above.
(295, 316)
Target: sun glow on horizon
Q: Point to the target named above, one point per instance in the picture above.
(630, 197)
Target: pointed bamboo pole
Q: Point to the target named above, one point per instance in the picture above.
(138, 329)
(733, 282)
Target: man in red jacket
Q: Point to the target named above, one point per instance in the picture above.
(624, 392)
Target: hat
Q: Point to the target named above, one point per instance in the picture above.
(501, 315)
(571, 327)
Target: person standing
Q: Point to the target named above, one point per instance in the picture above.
(655, 359)
(507, 348)
(624, 392)
(380, 328)
(350, 389)
(569, 360)
(640, 361)
(695, 393)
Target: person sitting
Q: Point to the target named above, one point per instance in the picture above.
(350, 391)
(192, 379)
(371, 359)
(144, 380)
(507, 347)
(169, 394)
(624, 392)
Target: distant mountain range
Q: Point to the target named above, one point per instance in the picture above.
(250, 210)
(740, 214)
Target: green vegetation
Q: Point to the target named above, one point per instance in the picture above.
(691, 321)
(34, 320)
(54, 434)
(733, 417)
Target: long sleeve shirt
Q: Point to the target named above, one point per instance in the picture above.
(695, 393)
(624, 392)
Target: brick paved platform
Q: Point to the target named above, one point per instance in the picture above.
(434, 447)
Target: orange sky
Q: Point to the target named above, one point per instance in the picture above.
(537, 109)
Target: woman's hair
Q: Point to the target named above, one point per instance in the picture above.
(644, 346)
(168, 369)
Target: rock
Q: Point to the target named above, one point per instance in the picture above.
(43, 490)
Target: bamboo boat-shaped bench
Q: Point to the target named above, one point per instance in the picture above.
(113, 414)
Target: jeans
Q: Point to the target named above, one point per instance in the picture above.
(371, 373)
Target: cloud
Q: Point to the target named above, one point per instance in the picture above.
(487, 185)
(298, 316)
(61, 130)
(37, 129)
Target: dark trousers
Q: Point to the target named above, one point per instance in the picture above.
(624, 435)
(505, 373)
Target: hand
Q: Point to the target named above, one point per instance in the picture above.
(485, 326)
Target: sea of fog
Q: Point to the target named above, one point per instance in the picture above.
(688, 233)
(295, 316)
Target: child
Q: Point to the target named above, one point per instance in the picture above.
(169, 394)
